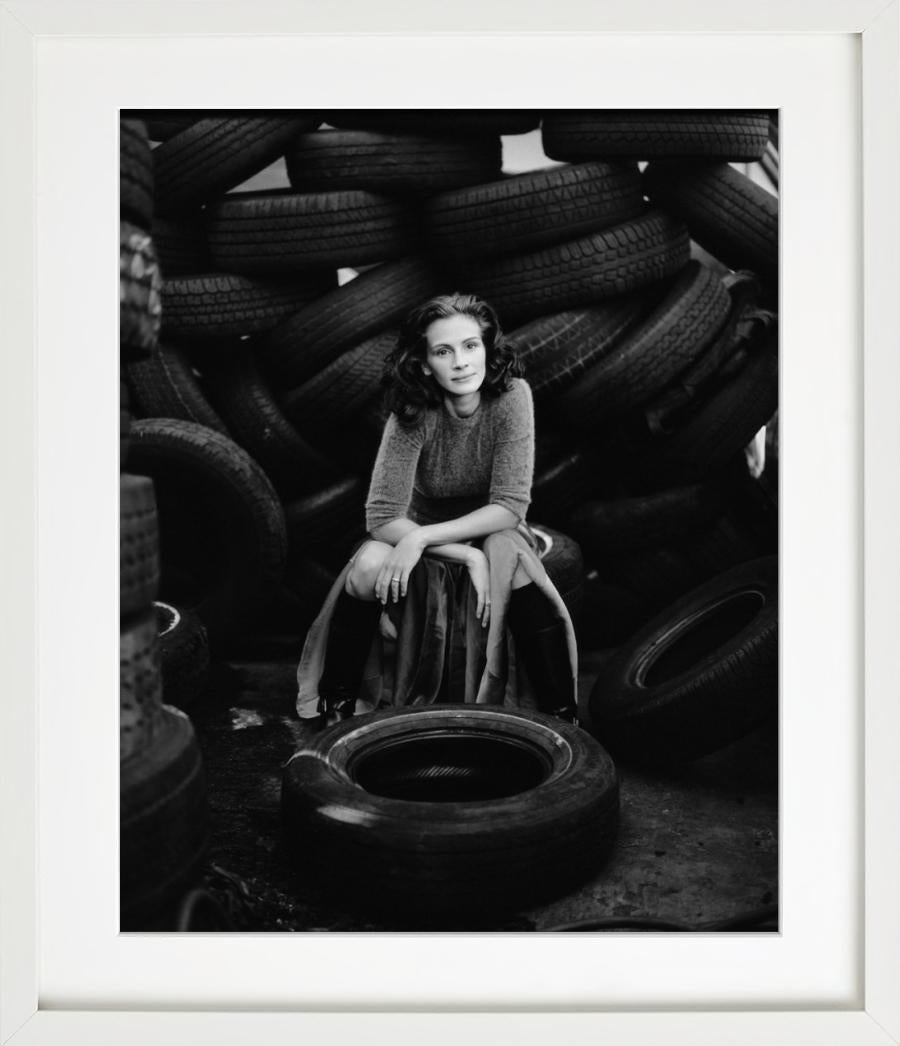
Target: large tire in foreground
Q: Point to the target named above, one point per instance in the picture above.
(164, 829)
(451, 809)
(222, 535)
(698, 676)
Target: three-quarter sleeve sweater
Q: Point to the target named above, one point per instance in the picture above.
(444, 467)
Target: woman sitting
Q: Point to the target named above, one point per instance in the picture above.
(450, 568)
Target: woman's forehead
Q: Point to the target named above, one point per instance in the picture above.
(452, 328)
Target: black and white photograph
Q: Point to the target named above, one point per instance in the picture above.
(449, 520)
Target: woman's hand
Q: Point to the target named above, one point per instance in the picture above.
(395, 570)
(480, 575)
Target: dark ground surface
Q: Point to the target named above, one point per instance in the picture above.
(696, 844)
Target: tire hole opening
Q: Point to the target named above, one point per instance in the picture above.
(708, 631)
(167, 617)
(451, 768)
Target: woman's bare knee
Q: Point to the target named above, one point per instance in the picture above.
(494, 542)
(361, 579)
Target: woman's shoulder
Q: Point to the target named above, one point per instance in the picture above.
(516, 399)
(416, 430)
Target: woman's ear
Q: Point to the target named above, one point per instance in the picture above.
(426, 370)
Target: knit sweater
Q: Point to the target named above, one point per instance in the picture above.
(444, 467)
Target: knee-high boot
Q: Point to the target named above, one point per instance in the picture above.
(349, 639)
(542, 645)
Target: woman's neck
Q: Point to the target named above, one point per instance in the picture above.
(463, 406)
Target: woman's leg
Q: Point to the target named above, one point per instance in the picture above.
(350, 634)
(542, 644)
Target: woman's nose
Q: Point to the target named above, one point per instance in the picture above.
(457, 360)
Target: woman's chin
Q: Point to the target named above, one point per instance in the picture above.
(465, 388)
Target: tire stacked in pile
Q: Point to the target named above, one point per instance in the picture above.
(681, 538)
(163, 813)
(651, 369)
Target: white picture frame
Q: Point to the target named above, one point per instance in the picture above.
(39, 42)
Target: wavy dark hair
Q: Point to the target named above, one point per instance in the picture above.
(408, 390)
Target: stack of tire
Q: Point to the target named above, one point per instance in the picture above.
(636, 275)
(163, 811)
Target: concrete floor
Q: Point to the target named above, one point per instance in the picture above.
(696, 845)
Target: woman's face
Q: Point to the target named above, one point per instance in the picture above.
(455, 354)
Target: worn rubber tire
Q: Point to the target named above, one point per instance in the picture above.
(140, 286)
(244, 399)
(183, 655)
(731, 216)
(124, 425)
(391, 164)
(333, 517)
(135, 174)
(719, 427)
(163, 124)
(557, 349)
(140, 683)
(563, 481)
(165, 386)
(531, 210)
(201, 912)
(164, 822)
(223, 305)
(441, 122)
(610, 614)
(317, 334)
(309, 581)
(291, 232)
(720, 355)
(650, 709)
(138, 544)
(426, 855)
(213, 155)
(583, 271)
(660, 347)
(657, 575)
(181, 245)
(342, 389)
(223, 543)
(644, 134)
(562, 559)
(636, 523)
